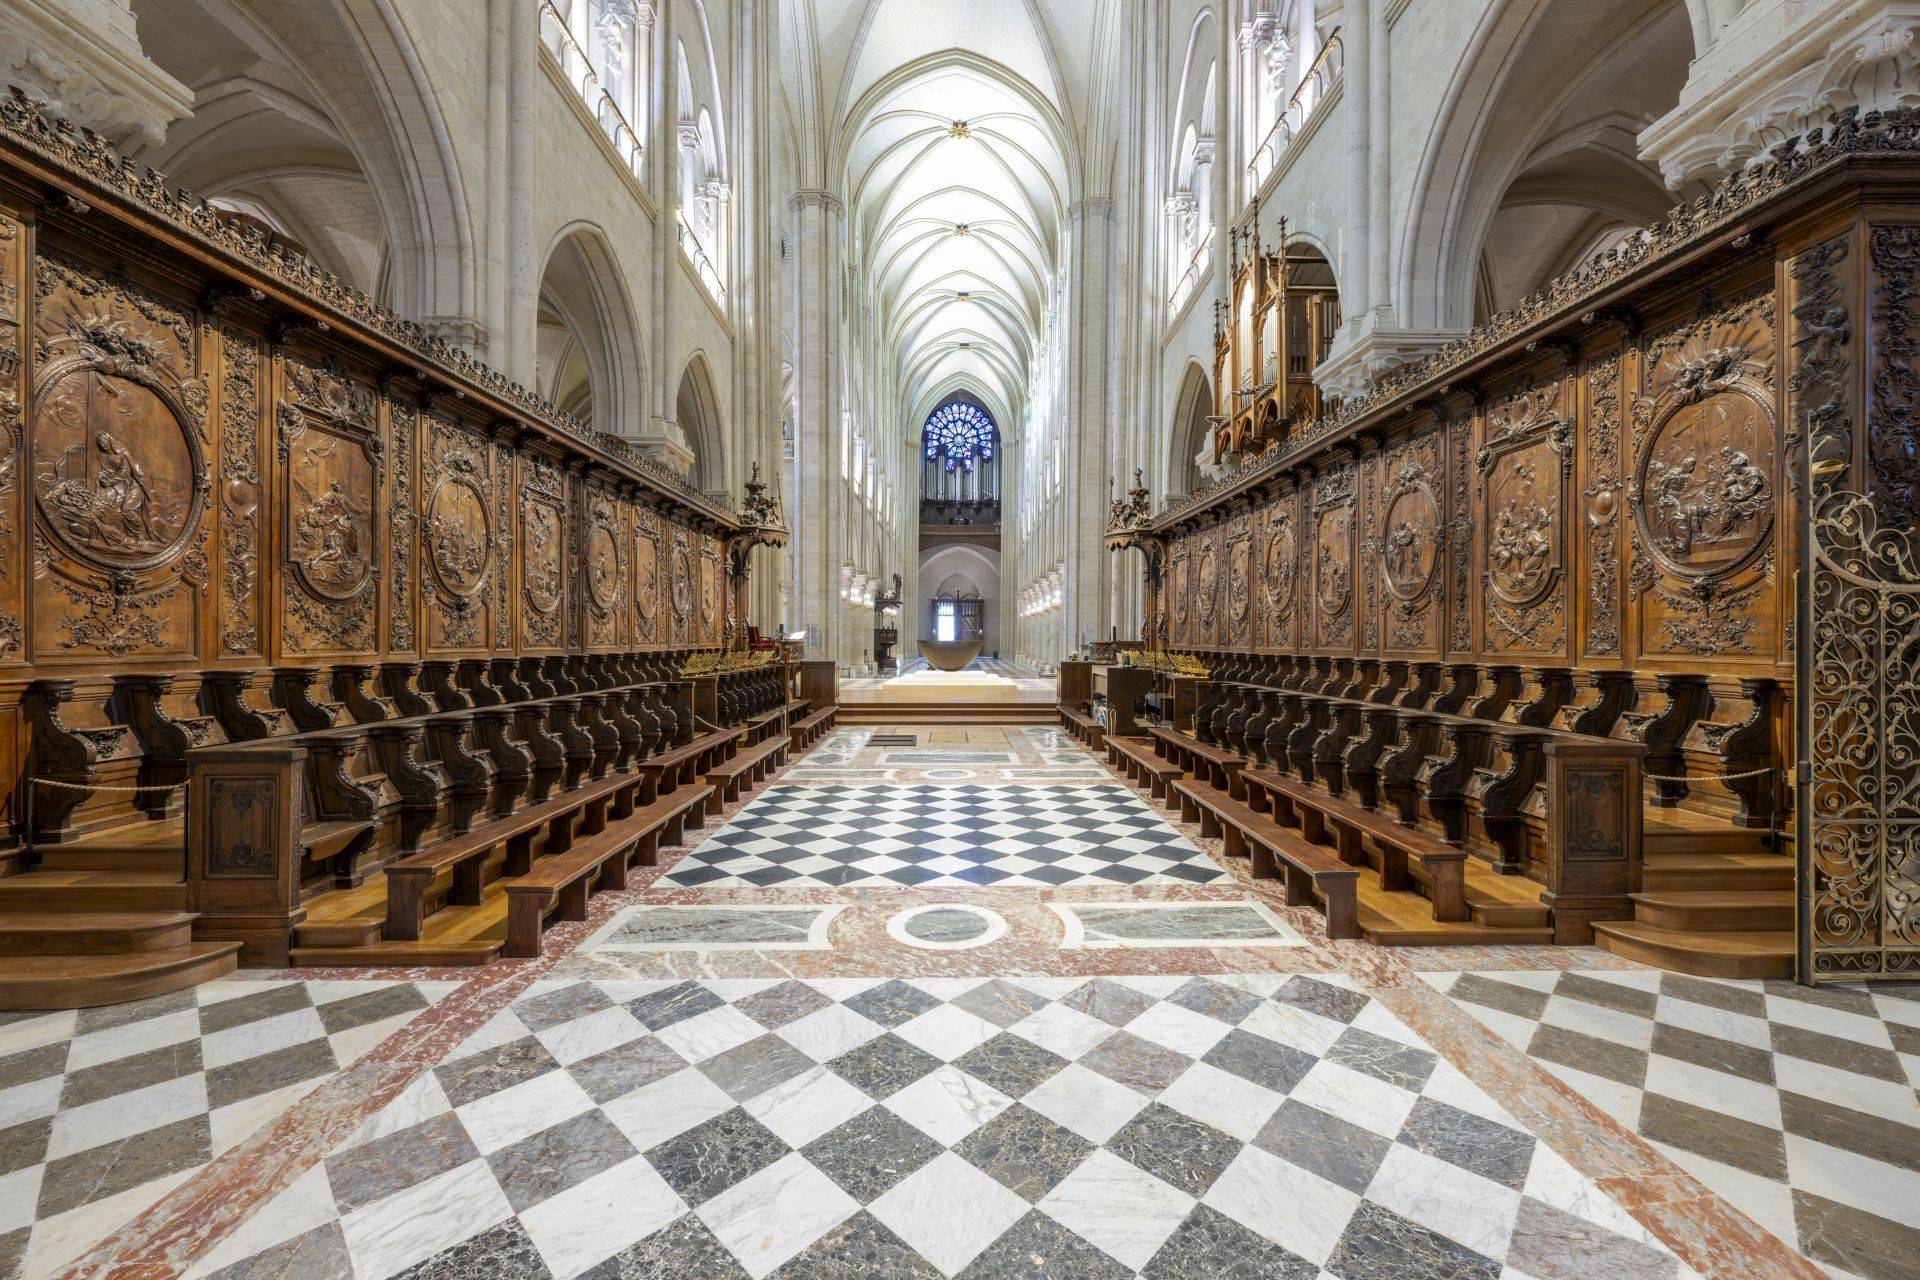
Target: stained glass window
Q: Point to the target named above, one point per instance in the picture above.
(958, 435)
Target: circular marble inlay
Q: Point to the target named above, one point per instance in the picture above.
(946, 926)
(947, 775)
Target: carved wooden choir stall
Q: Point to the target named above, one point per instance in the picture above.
(433, 660)
(1507, 650)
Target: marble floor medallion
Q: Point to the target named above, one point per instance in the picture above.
(1247, 923)
(716, 928)
(947, 926)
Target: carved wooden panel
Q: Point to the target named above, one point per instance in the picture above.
(606, 569)
(121, 465)
(1237, 590)
(1180, 596)
(458, 539)
(543, 563)
(1410, 540)
(330, 458)
(1206, 586)
(647, 576)
(1524, 464)
(1280, 572)
(680, 587)
(1333, 577)
(13, 252)
(403, 521)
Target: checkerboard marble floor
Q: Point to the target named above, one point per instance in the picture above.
(1004, 1026)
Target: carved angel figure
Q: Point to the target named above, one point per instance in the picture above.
(326, 536)
(1521, 552)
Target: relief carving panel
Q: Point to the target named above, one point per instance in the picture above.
(331, 455)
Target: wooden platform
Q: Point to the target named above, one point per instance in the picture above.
(949, 713)
(1714, 901)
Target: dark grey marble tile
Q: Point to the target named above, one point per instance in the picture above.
(673, 1004)
(542, 1166)
(24, 1145)
(38, 1064)
(113, 1167)
(868, 1154)
(1028, 1153)
(616, 1072)
(370, 1007)
(1864, 1244)
(683, 1250)
(1608, 995)
(1138, 1063)
(393, 1162)
(1175, 1148)
(1038, 1248)
(1322, 998)
(1862, 1133)
(1728, 1139)
(13, 1251)
(496, 1254)
(1223, 923)
(279, 998)
(1717, 995)
(107, 1017)
(1474, 1143)
(1551, 1245)
(1211, 1246)
(1383, 1059)
(1266, 1062)
(319, 1254)
(892, 1003)
(1342, 1153)
(861, 1248)
(551, 1008)
(1591, 1054)
(1832, 1051)
(1109, 1001)
(1522, 1002)
(884, 1065)
(749, 1070)
(135, 1071)
(710, 1157)
(946, 924)
(1845, 999)
(1742, 1060)
(1216, 1000)
(777, 1006)
(251, 1077)
(715, 926)
(1001, 1002)
(1012, 1065)
(1379, 1244)
(491, 1070)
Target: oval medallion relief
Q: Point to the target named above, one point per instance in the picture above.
(1705, 486)
(540, 535)
(603, 563)
(1282, 565)
(119, 479)
(1412, 547)
(459, 537)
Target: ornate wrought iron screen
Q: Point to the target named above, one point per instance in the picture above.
(1859, 615)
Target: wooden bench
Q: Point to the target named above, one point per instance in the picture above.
(662, 773)
(563, 883)
(409, 879)
(1209, 764)
(1324, 819)
(1083, 726)
(810, 728)
(741, 774)
(1306, 870)
(1137, 758)
(765, 725)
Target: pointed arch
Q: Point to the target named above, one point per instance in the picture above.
(589, 332)
(697, 413)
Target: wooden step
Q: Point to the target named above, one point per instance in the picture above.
(82, 982)
(1715, 910)
(1397, 919)
(426, 952)
(149, 846)
(1753, 872)
(1683, 831)
(92, 891)
(1729, 954)
(92, 933)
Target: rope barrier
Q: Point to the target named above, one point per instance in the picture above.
(1708, 777)
(101, 786)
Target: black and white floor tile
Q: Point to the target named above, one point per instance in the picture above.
(1246, 1126)
(1800, 1106)
(102, 1111)
(934, 836)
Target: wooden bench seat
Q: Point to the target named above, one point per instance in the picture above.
(768, 723)
(1210, 764)
(1083, 726)
(1324, 819)
(563, 883)
(1137, 758)
(1306, 870)
(810, 728)
(409, 879)
(743, 772)
(661, 773)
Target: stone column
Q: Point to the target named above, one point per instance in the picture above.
(1088, 594)
(815, 511)
(83, 59)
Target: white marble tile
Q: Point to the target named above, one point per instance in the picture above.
(252, 1039)
(1552, 1180)
(29, 1101)
(1297, 1210)
(1598, 1020)
(1067, 1032)
(1446, 1198)
(306, 1203)
(947, 1032)
(949, 1211)
(1767, 1202)
(812, 1103)
(596, 1219)
(136, 1037)
(1847, 1089)
(574, 1041)
(1448, 1085)
(233, 1124)
(668, 1107)
(503, 1028)
(830, 1032)
(1355, 1097)
(503, 1118)
(1715, 1090)
(1871, 1185)
(1179, 1029)
(769, 1217)
(422, 1100)
(1707, 1020)
(1122, 1209)
(717, 1030)
(351, 1045)
(19, 1191)
(1226, 1101)
(413, 1225)
(57, 1241)
(948, 1104)
(122, 1116)
(1854, 1028)
(1621, 1101)
(36, 1033)
(1086, 1102)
